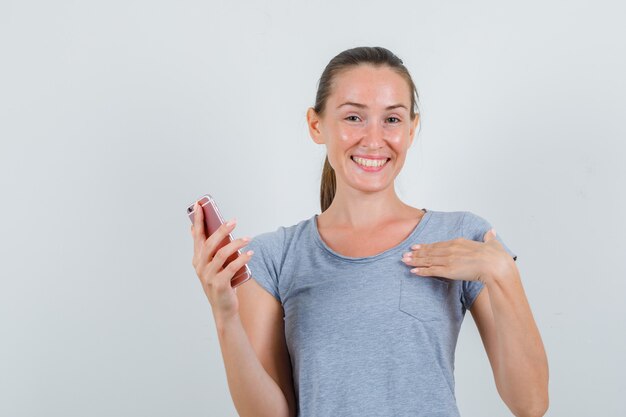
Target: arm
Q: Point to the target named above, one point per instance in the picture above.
(512, 342)
(255, 355)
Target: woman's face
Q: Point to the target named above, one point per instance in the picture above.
(366, 122)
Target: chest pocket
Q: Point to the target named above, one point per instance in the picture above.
(423, 297)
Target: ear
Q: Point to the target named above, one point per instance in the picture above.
(413, 128)
(313, 121)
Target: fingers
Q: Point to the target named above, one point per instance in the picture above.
(198, 222)
(197, 229)
(232, 268)
(427, 261)
(429, 250)
(217, 239)
(224, 253)
(491, 234)
(438, 253)
(205, 247)
(433, 271)
(447, 247)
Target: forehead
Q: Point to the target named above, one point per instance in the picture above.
(367, 84)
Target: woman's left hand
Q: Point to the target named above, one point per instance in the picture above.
(461, 259)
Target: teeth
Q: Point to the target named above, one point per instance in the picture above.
(369, 162)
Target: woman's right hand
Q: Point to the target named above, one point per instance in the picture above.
(208, 262)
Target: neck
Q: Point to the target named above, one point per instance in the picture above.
(358, 210)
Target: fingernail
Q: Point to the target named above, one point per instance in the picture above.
(246, 239)
(415, 247)
(407, 255)
(231, 222)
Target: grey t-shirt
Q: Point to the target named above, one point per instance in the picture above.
(366, 336)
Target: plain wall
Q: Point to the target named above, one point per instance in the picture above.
(114, 115)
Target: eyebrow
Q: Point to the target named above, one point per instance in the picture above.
(363, 106)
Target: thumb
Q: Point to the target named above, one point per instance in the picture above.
(490, 235)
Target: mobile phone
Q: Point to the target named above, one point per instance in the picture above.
(212, 221)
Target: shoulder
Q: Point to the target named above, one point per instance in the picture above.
(467, 223)
(447, 220)
(474, 226)
(270, 252)
(277, 241)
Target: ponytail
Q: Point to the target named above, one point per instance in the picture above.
(328, 187)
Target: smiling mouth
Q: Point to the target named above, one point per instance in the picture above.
(370, 163)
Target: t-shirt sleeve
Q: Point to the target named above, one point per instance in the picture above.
(474, 227)
(265, 262)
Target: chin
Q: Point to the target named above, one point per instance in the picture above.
(369, 187)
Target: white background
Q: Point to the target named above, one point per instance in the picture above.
(115, 115)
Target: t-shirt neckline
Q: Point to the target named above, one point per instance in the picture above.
(405, 244)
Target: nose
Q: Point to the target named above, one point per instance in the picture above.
(373, 136)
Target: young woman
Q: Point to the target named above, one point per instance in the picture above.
(356, 311)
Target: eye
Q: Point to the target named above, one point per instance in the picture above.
(351, 118)
(394, 118)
